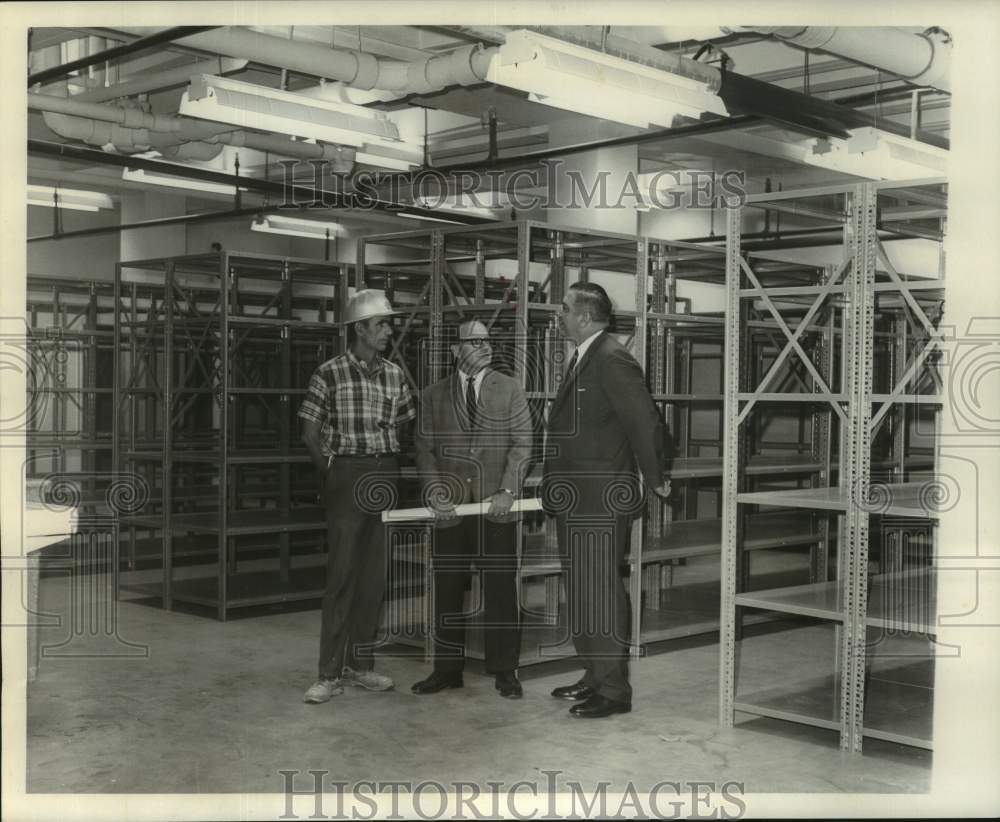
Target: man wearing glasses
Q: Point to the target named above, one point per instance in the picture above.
(473, 443)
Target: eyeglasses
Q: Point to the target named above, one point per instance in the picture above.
(477, 342)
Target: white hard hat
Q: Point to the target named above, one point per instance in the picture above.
(367, 303)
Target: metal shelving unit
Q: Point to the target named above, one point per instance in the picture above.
(70, 361)
(679, 558)
(872, 393)
(214, 354)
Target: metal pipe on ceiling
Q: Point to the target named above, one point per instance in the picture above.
(924, 59)
(160, 37)
(299, 193)
(128, 117)
(160, 222)
(102, 125)
(463, 66)
(676, 133)
(162, 79)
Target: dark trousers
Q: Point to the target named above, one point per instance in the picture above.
(593, 552)
(493, 548)
(356, 491)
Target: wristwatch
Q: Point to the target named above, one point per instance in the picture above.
(507, 491)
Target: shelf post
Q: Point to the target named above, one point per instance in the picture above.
(730, 471)
(856, 471)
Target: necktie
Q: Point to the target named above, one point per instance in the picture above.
(470, 401)
(567, 374)
(571, 366)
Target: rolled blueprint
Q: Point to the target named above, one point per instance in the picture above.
(464, 510)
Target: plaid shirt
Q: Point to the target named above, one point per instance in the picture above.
(359, 411)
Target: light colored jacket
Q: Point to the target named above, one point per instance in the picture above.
(473, 464)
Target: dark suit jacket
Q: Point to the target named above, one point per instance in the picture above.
(474, 464)
(602, 426)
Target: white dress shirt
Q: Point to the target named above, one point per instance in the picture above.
(581, 349)
(477, 382)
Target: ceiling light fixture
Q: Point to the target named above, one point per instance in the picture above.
(468, 204)
(294, 227)
(411, 216)
(878, 155)
(251, 106)
(579, 79)
(138, 175)
(68, 198)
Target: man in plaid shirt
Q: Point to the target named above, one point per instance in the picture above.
(351, 417)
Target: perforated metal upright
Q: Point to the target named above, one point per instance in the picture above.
(731, 537)
(855, 465)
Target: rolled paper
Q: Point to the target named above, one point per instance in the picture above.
(464, 510)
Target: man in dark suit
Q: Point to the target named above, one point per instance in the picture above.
(473, 443)
(602, 429)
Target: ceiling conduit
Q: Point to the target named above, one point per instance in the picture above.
(219, 66)
(464, 66)
(923, 59)
(132, 131)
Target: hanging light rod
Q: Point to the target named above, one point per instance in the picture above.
(165, 36)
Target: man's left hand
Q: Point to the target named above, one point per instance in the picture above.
(663, 490)
(500, 504)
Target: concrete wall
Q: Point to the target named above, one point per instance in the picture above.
(89, 258)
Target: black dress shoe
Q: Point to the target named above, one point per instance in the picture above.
(578, 690)
(438, 681)
(508, 685)
(598, 706)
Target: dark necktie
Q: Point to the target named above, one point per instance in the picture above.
(470, 401)
(568, 374)
(571, 366)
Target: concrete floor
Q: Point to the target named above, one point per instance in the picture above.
(216, 707)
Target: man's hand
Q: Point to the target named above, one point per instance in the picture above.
(443, 510)
(663, 490)
(321, 482)
(500, 504)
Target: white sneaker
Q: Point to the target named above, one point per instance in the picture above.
(322, 690)
(367, 679)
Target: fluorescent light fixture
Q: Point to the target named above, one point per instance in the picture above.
(468, 203)
(138, 175)
(381, 157)
(265, 109)
(579, 79)
(294, 227)
(69, 198)
(422, 217)
(878, 155)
